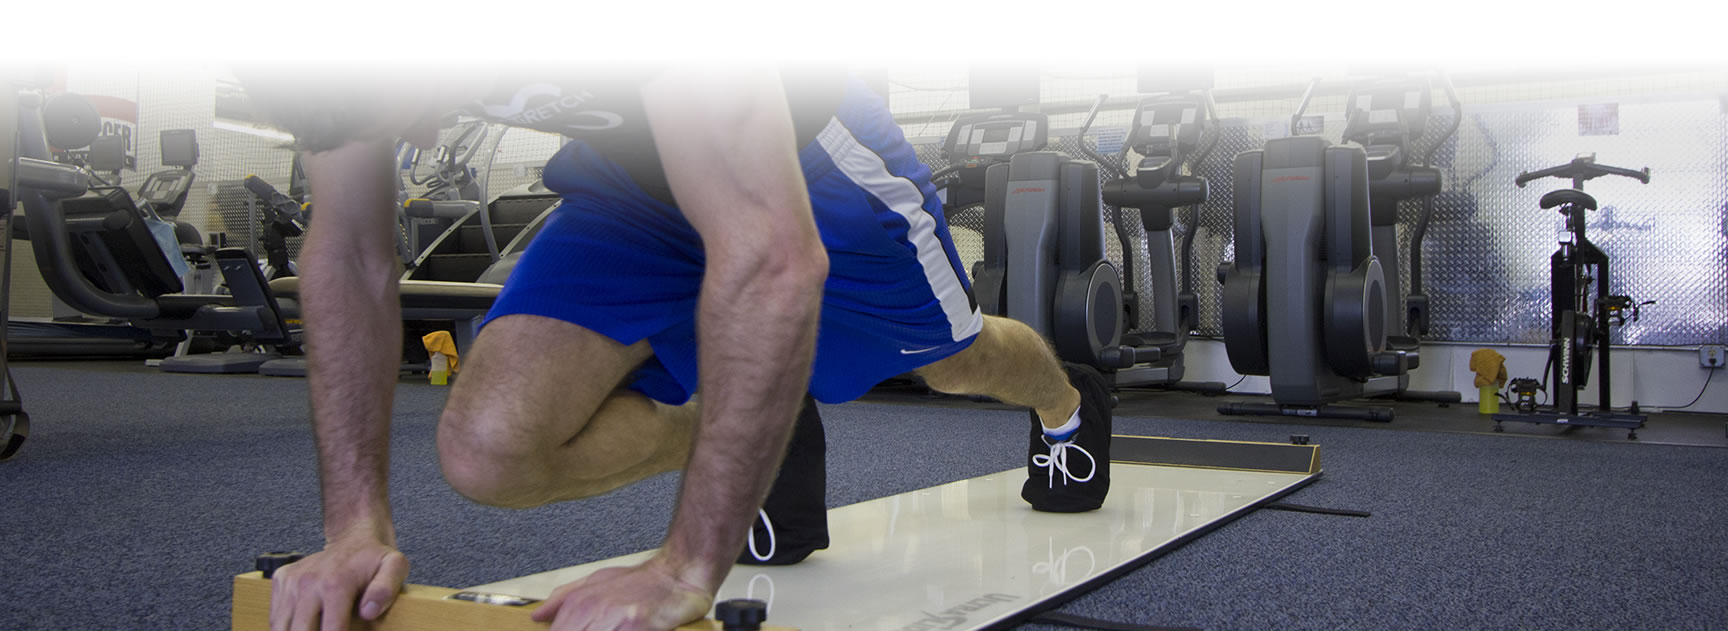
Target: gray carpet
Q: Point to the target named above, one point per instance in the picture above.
(139, 495)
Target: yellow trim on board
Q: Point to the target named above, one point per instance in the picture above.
(1313, 461)
(417, 608)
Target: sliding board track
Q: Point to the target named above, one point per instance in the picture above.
(972, 555)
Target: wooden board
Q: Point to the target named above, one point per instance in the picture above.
(418, 608)
(969, 554)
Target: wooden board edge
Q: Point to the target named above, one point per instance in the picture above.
(1313, 451)
(417, 608)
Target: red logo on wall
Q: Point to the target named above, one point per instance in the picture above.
(1028, 190)
(1291, 178)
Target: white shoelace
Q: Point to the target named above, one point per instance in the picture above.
(770, 527)
(1058, 460)
(1057, 567)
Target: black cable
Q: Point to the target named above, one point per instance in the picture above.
(1238, 383)
(1317, 510)
(1694, 399)
(1081, 622)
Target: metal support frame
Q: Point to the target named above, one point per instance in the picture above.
(14, 422)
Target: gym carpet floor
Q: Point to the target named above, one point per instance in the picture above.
(139, 495)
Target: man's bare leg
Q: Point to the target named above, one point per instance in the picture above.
(1012, 363)
(539, 416)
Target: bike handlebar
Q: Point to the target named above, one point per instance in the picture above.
(283, 208)
(1582, 168)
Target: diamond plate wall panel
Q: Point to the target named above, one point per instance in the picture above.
(1486, 252)
(518, 159)
(1489, 245)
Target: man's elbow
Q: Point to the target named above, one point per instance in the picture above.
(781, 266)
(805, 268)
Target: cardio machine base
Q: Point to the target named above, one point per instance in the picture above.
(1613, 420)
(284, 367)
(227, 363)
(1159, 377)
(1423, 396)
(1376, 414)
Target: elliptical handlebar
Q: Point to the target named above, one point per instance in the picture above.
(1081, 139)
(1417, 324)
(1212, 121)
(945, 172)
(1580, 169)
(1457, 118)
(1307, 97)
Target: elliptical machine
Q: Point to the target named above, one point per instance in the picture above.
(1395, 176)
(1311, 300)
(1581, 315)
(1165, 132)
(455, 193)
(1044, 257)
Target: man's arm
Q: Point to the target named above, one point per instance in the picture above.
(727, 144)
(353, 332)
(354, 345)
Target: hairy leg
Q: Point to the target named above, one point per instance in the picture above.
(1012, 363)
(539, 416)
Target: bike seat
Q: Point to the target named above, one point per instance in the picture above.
(1570, 196)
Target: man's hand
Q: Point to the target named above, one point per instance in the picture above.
(320, 592)
(646, 597)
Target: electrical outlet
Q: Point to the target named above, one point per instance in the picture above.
(1711, 355)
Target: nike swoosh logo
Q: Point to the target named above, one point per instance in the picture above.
(926, 350)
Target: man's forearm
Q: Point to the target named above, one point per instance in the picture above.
(353, 335)
(726, 140)
(757, 330)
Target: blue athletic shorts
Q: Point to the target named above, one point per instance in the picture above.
(617, 261)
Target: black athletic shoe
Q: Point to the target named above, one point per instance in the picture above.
(794, 519)
(1073, 476)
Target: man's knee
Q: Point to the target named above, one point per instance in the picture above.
(494, 459)
(488, 460)
(478, 462)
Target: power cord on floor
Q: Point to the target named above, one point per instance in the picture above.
(1082, 622)
(1238, 383)
(1317, 510)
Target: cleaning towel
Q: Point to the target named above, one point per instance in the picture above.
(441, 342)
(1489, 366)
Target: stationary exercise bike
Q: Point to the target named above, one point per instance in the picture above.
(283, 218)
(1312, 297)
(1582, 314)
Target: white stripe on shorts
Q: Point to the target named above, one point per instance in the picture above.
(868, 171)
